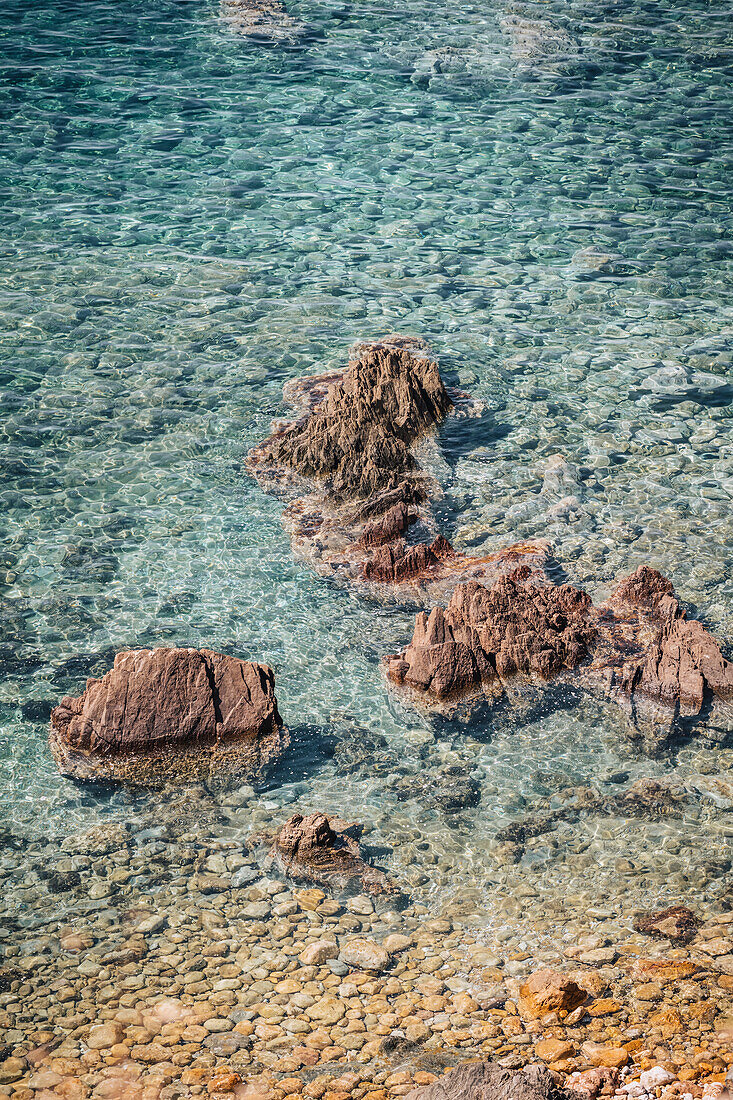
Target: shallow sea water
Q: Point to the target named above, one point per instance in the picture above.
(542, 190)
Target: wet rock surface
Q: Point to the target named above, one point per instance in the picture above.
(637, 648)
(358, 437)
(548, 991)
(489, 1081)
(325, 850)
(486, 636)
(170, 713)
(354, 456)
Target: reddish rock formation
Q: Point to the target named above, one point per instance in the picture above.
(163, 714)
(351, 460)
(398, 562)
(637, 648)
(358, 436)
(677, 923)
(665, 669)
(325, 850)
(601, 1080)
(485, 636)
(388, 528)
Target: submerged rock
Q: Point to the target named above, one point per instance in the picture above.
(677, 382)
(539, 47)
(365, 955)
(455, 68)
(676, 923)
(638, 648)
(363, 752)
(265, 21)
(162, 714)
(451, 789)
(646, 799)
(490, 1081)
(362, 501)
(650, 798)
(326, 850)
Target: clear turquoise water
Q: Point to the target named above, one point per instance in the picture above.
(189, 220)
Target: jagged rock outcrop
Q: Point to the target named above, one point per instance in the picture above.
(398, 562)
(167, 714)
(358, 436)
(263, 21)
(490, 1081)
(323, 849)
(662, 667)
(362, 501)
(521, 626)
(637, 648)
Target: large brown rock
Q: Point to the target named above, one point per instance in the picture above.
(162, 714)
(638, 648)
(352, 465)
(490, 1081)
(358, 437)
(326, 850)
(549, 991)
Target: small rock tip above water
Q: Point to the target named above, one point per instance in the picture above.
(325, 849)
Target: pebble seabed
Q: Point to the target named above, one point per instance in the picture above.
(152, 963)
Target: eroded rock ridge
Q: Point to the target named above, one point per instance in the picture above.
(637, 648)
(361, 508)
